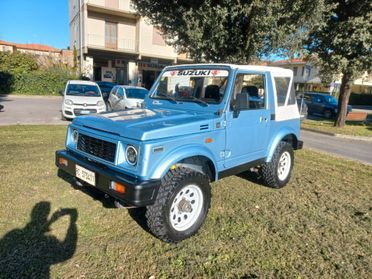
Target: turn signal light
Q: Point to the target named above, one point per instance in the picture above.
(118, 187)
(63, 162)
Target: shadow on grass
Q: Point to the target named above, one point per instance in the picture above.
(30, 251)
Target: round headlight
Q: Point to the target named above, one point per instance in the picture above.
(100, 103)
(75, 136)
(131, 154)
(68, 102)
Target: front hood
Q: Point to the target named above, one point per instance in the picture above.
(83, 100)
(146, 124)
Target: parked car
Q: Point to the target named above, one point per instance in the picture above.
(81, 97)
(106, 88)
(125, 96)
(164, 156)
(322, 104)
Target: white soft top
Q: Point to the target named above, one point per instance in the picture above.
(275, 70)
(87, 82)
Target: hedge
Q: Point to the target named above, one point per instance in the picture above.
(40, 82)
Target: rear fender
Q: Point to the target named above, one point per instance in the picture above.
(278, 138)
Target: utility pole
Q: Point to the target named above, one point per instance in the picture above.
(80, 37)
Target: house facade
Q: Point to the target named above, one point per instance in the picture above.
(116, 44)
(307, 78)
(43, 53)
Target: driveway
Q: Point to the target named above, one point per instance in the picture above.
(347, 148)
(31, 110)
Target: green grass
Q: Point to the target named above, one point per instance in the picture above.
(318, 226)
(351, 128)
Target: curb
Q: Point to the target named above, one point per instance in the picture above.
(4, 96)
(369, 139)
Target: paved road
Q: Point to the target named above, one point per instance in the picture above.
(46, 110)
(348, 148)
(31, 110)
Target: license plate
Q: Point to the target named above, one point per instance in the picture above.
(84, 112)
(85, 175)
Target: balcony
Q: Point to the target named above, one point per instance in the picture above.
(112, 7)
(112, 43)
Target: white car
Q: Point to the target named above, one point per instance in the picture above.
(81, 98)
(124, 97)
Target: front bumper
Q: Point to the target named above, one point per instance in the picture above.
(75, 110)
(137, 192)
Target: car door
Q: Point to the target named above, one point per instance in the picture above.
(247, 128)
(318, 104)
(121, 97)
(113, 98)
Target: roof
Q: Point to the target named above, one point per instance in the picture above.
(131, 87)
(87, 82)
(37, 47)
(258, 68)
(291, 61)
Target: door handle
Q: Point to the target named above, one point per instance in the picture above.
(263, 119)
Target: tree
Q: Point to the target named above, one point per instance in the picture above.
(342, 41)
(232, 31)
(17, 62)
(74, 53)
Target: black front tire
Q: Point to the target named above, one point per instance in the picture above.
(270, 171)
(159, 214)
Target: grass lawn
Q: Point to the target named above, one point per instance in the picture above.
(319, 226)
(351, 128)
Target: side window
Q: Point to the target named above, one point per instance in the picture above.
(317, 99)
(249, 91)
(281, 85)
(120, 93)
(292, 95)
(113, 90)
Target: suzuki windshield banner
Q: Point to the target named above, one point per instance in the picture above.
(197, 73)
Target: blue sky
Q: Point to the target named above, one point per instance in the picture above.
(35, 21)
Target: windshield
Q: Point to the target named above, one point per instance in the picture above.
(330, 99)
(203, 86)
(136, 93)
(83, 90)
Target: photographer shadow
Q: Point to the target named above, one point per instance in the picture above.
(29, 252)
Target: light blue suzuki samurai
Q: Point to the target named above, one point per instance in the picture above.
(199, 123)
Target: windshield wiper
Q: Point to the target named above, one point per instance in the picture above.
(169, 98)
(192, 98)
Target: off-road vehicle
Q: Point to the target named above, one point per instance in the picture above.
(199, 123)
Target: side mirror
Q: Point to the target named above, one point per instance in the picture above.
(61, 92)
(242, 103)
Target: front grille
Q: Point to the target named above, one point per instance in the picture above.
(85, 111)
(100, 148)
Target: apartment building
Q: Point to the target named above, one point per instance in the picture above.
(116, 44)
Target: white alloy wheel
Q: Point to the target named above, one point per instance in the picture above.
(284, 165)
(186, 207)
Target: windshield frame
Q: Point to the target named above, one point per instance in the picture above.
(194, 105)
